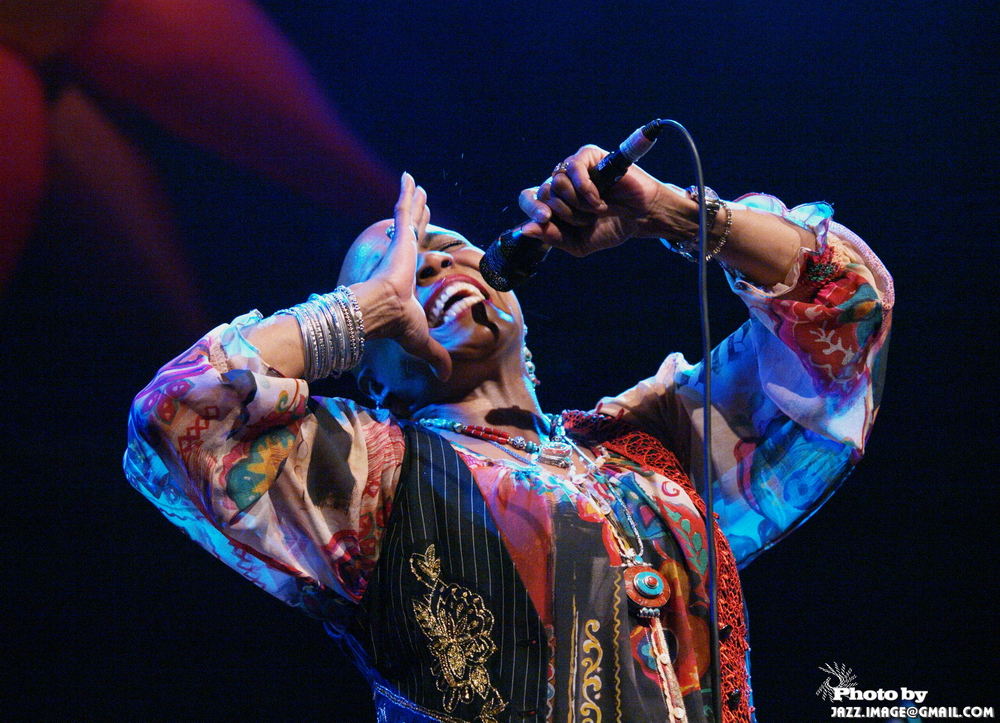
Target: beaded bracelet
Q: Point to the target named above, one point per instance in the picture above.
(689, 248)
(725, 234)
(333, 332)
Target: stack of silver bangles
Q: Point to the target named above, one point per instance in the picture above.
(333, 332)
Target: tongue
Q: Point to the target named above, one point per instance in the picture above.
(454, 299)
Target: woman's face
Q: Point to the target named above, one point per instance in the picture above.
(479, 326)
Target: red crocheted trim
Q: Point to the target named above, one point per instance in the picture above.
(817, 271)
(622, 438)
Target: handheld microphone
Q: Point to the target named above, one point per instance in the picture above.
(514, 258)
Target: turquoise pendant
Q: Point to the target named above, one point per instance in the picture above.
(647, 589)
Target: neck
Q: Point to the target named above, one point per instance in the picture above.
(513, 410)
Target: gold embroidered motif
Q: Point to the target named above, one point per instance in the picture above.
(458, 627)
(591, 673)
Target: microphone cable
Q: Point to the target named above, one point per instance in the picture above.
(708, 495)
(513, 258)
(652, 130)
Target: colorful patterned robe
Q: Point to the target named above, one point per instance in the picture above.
(236, 456)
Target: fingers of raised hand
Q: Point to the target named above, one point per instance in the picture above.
(559, 195)
(411, 214)
(404, 204)
(410, 218)
(419, 212)
(421, 344)
(532, 206)
(425, 218)
(574, 184)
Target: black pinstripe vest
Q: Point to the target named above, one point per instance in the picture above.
(446, 630)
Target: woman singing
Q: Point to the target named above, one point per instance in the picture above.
(480, 558)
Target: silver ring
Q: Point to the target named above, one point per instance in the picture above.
(391, 231)
(561, 167)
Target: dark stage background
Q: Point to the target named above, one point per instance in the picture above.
(883, 109)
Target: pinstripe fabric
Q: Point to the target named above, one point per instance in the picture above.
(439, 504)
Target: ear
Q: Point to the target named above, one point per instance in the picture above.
(373, 388)
(383, 397)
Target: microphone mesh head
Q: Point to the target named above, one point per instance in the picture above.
(494, 268)
(512, 259)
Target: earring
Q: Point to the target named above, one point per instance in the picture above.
(373, 390)
(529, 366)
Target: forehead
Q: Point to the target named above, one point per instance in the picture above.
(370, 247)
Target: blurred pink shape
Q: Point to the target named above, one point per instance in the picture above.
(215, 73)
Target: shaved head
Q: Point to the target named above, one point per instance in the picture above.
(365, 253)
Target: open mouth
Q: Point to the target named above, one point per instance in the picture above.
(454, 295)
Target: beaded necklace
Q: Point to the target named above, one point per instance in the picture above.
(557, 451)
(643, 584)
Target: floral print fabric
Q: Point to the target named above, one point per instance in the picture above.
(291, 490)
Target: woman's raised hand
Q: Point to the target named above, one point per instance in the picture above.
(397, 273)
(568, 211)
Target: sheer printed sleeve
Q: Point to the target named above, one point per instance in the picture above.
(291, 492)
(795, 390)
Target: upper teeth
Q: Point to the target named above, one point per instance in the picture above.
(473, 297)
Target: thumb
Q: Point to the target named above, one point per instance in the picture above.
(432, 352)
(532, 207)
(532, 229)
(547, 232)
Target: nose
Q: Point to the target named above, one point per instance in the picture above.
(431, 263)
